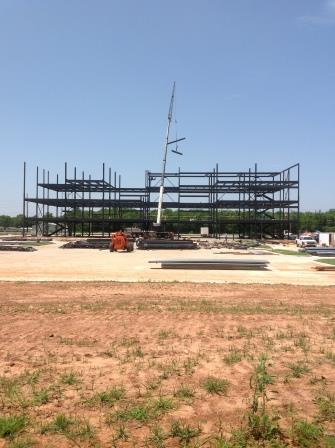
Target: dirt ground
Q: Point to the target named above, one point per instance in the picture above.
(162, 364)
(49, 263)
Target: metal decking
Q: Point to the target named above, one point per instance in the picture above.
(212, 264)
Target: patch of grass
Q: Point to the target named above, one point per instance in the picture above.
(107, 397)
(72, 428)
(165, 334)
(12, 425)
(162, 404)
(111, 351)
(129, 342)
(26, 442)
(169, 369)
(184, 392)
(290, 252)
(189, 364)
(326, 404)
(69, 378)
(40, 397)
(215, 385)
(140, 413)
(157, 437)
(233, 356)
(327, 261)
(307, 435)
(299, 369)
(120, 434)
(184, 432)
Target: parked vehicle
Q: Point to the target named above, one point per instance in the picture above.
(306, 241)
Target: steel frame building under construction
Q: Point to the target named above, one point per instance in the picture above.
(249, 203)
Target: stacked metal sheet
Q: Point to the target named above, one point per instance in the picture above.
(212, 264)
(165, 244)
(321, 251)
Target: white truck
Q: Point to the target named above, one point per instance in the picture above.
(305, 241)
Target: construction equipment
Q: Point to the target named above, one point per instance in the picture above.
(120, 242)
(167, 143)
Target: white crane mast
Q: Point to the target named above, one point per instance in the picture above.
(161, 188)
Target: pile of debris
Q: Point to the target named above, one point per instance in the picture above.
(16, 248)
(237, 245)
(25, 238)
(90, 243)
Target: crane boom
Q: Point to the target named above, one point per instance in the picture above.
(161, 188)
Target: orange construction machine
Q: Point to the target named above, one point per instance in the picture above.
(120, 242)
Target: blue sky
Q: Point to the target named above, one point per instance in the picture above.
(90, 81)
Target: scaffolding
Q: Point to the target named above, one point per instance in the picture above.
(249, 204)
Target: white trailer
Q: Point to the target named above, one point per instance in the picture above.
(327, 239)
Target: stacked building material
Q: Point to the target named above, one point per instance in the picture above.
(91, 243)
(321, 251)
(165, 244)
(212, 264)
(16, 248)
(24, 238)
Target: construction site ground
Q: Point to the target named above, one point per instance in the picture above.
(104, 364)
(50, 263)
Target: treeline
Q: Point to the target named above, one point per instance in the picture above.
(311, 221)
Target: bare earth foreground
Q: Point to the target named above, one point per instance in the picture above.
(166, 365)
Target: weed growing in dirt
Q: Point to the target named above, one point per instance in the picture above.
(306, 434)
(162, 404)
(214, 385)
(184, 432)
(299, 369)
(157, 437)
(233, 356)
(326, 403)
(71, 428)
(40, 397)
(12, 425)
(140, 413)
(26, 442)
(106, 397)
(184, 392)
(169, 369)
(69, 378)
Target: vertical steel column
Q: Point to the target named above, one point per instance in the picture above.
(37, 222)
(90, 211)
(48, 208)
(24, 200)
(83, 202)
(43, 206)
(109, 199)
(298, 198)
(65, 198)
(178, 210)
(103, 199)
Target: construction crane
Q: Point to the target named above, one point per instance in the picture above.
(167, 143)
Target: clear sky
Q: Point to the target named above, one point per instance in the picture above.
(90, 81)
